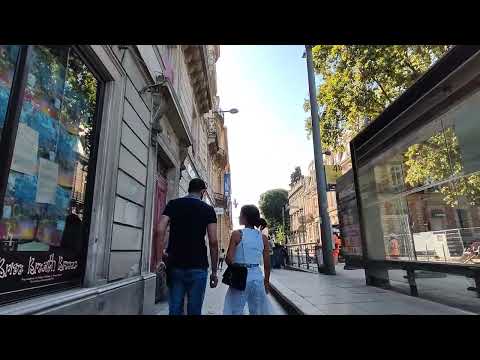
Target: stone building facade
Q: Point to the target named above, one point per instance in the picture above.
(219, 174)
(303, 202)
(153, 118)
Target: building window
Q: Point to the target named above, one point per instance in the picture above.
(46, 201)
(397, 177)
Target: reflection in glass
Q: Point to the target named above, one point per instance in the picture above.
(417, 201)
(8, 60)
(44, 202)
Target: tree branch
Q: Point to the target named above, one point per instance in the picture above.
(409, 65)
(383, 90)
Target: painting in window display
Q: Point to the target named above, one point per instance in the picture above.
(42, 227)
(8, 60)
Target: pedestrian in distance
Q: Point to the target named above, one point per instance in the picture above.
(247, 248)
(262, 226)
(221, 259)
(190, 219)
(336, 247)
(394, 247)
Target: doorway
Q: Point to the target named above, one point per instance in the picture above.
(160, 198)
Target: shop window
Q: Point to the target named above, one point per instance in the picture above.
(45, 207)
(8, 60)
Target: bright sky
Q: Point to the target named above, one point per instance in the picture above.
(266, 138)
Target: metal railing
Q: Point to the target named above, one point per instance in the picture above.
(303, 256)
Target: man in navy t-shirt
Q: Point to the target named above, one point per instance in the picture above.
(190, 219)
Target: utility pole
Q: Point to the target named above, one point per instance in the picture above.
(325, 227)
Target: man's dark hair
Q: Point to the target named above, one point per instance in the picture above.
(196, 185)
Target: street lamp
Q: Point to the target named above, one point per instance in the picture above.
(325, 227)
(231, 111)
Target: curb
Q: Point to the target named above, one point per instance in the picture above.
(293, 268)
(291, 302)
(288, 305)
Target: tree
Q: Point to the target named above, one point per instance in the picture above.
(271, 204)
(280, 235)
(296, 175)
(359, 81)
(437, 159)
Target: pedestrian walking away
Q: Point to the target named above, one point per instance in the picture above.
(190, 219)
(247, 248)
(221, 259)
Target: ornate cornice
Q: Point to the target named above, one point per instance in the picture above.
(196, 59)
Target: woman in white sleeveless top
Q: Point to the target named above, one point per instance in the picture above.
(248, 247)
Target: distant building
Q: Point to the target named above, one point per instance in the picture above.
(303, 202)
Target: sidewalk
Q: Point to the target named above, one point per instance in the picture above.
(347, 294)
(213, 303)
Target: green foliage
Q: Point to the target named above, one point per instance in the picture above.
(360, 81)
(296, 175)
(271, 204)
(280, 235)
(437, 159)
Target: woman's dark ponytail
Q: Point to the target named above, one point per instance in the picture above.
(262, 223)
(251, 215)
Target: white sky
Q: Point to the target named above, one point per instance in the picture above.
(267, 138)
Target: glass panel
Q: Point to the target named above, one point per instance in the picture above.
(422, 226)
(466, 200)
(435, 224)
(8, 60)
(399, 188)
(462, 132)
(44, 203)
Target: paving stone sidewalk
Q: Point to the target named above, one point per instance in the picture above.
(213, 303)
(347, 294)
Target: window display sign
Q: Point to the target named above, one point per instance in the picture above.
(348, 215)
(42, 231)
(26, 149)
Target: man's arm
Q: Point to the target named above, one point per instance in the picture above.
(162, 229)
(213, 243)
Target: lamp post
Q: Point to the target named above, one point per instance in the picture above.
(325, 227)
(231, 111)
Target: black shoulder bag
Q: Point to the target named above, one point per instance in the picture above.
(236, 275)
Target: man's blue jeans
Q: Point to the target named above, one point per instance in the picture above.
(191, 282)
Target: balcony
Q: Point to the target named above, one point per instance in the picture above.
(220, 158)
(220, 200)
(212, 141)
